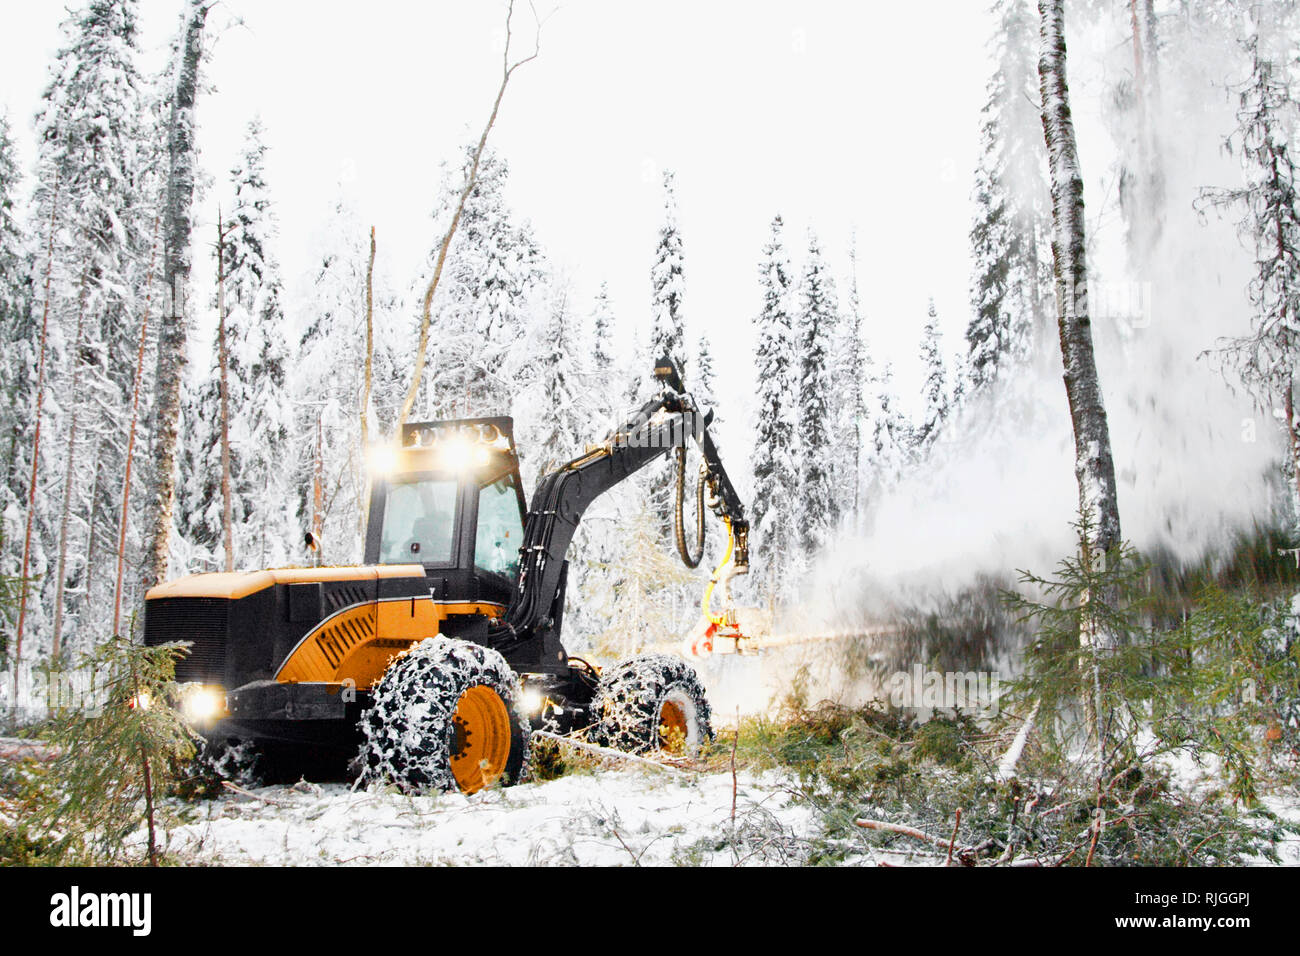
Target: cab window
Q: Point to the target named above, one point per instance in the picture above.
(500, 530)
(419, 522)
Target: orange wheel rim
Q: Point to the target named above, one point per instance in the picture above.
(672, 726)
(481, 739)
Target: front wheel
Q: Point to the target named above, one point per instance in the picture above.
(652, 702)
(445, 717)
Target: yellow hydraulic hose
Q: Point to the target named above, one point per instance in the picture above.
(719, 619)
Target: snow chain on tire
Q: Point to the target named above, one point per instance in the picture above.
(436, 707)
(649, 703)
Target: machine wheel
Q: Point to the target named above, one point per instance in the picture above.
(445, 717)
(652, 702)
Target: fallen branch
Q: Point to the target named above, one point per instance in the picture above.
(902, 830)
(235, 788)
(15, 748)
(604, 751)
(965, 854)
(1007, 765)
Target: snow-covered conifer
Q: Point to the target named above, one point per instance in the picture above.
(260, 412)
(1269, 204)
(852, 376)
(819, 504)
(14, 303)
(483, 303)
(935, 390)
(94, 148)
(775, 453)
(667, 284)
(1011, 281)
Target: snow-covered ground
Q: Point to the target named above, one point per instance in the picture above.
(618, 817)
(610, 817)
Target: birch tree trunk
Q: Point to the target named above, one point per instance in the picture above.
(1094, 468)
(223, 363)
(70, 473)
(422, 346)
(137, 386)
(24, 581)
(178, 218)
(366, 385)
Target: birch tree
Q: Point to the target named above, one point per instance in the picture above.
(493, 267)
(1094, 468)
(177, 227)
(508, 68)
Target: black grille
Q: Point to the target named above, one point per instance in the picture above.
(202, 622)
(345, 596)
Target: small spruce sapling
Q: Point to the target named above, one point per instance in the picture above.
(115, 760)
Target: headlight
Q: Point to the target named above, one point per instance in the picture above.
(381, 459)
(202, 704)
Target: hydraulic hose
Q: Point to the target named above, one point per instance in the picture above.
(679, 522)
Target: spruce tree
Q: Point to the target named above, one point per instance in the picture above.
(667, 339)
(775, 453)
(610, 371)
(702, 381)
(260, 413)
(331, 317)
(1269, 205)
(852, 369)
(936, 377)
(1010, 285)
(560, 419)
(16, 341)
(890, 437)
(602, 330)
(14, 305)
(819, 504)
(667, 316)
(94, 161)
(483, 302)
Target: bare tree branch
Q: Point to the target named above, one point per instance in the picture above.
(507, 70)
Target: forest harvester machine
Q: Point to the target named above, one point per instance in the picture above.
(429, 665)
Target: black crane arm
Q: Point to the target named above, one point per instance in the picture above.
(563, 495)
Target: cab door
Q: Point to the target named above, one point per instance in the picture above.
(498, 535)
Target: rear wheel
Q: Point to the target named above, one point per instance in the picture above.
(445, 717)
(652, 702)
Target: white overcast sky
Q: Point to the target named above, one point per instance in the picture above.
(844, 117)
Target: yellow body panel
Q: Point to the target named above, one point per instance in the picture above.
(353, 644)
(357, 643)
(237, 584)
